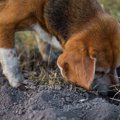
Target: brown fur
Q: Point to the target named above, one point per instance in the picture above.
(90, 38)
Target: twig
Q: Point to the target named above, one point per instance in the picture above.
(115, 99)
(117, 85)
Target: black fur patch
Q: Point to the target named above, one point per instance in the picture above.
(57, 16)
(62, 15)
(82, 11)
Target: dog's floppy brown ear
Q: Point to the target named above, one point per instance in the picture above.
(85, 70)
(79, 69)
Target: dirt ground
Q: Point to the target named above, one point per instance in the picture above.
(49, 97)
(54, 102)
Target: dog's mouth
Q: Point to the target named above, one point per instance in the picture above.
(104, 82)
(101, 82)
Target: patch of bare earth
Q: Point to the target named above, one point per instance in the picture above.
(49, 97)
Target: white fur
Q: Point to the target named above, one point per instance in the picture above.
(10, 65)
(42, 34)
(44, 55)
(55, 43)
(46, 37)
(61, 69)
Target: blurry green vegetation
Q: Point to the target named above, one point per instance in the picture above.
(25, 39)
(112, 7)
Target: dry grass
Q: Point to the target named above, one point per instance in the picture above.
(31, 63)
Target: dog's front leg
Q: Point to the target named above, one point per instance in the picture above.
(8, 58)
(44, 41)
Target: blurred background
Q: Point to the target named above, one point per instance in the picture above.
(112, 7)
(28, 52)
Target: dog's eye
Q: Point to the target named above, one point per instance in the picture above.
(99, 73)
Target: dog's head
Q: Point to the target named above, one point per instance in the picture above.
(84, 60)
(77, 64)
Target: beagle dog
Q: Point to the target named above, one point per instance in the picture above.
(89, 37)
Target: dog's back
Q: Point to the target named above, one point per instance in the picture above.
(67, 16)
